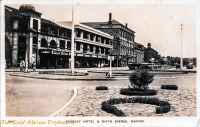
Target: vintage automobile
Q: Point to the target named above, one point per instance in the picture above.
(178, 66)
(189, 66)
(134, 66)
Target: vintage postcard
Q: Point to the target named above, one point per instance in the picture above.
(102, 63)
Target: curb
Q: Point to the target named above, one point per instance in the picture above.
(69, 79)
(66, 104)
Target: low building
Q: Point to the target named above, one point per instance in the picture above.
(150, 54)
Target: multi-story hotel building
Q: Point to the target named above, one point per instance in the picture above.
(123, 42)
(92, 46)
(34, 39)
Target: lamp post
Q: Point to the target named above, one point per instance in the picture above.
(181, 63)
(72, 43)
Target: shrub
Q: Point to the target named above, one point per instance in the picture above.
(101, 88)
(111, 109)
(107, 106)
(169, 87)
(141, 78)
(129, 91)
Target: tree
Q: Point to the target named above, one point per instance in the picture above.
(141, 78)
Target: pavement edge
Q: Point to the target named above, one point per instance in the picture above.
(66, 104)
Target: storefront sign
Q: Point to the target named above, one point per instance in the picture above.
(45, 52)
(56, 52)
(99, 56)
(95, 56)
(86, 55)
(64, 53)
(79, 54)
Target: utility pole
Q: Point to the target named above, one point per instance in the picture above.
(181, 66)
(72, 42)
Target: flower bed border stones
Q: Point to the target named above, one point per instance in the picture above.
(130, 91)
(101, 88)
(169, 87)
(109, 107)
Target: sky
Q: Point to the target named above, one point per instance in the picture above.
(159, 24)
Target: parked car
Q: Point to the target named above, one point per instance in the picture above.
(178, 66)
(133, 66)
(189, 66)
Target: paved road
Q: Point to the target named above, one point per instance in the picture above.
(34, 97)
(38, 97)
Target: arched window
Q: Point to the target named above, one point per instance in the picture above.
(44, 43)
(53, 44)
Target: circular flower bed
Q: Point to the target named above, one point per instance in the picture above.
(130, 91)
(108, 106)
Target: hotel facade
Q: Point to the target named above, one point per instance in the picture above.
(32, 38)
(125, 49)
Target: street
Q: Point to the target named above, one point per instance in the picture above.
(39, 97)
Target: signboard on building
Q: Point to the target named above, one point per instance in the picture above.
(94, 56)
(64, 53)
(56, 52)
(45, 52)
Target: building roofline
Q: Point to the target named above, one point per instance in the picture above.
(87, 28)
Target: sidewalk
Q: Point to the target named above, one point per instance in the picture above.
(17, 69)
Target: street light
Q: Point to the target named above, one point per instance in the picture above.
(72, 43)
(181, 66)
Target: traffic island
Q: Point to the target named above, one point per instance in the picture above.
(67, 73)
(89, 103)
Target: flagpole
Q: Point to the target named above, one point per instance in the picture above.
(72, 42)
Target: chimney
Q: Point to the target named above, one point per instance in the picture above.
(110, 16)
(126, 25)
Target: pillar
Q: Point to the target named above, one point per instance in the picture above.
(94, 38)
(30, 49)
(81, 47)
(15, 49)
(88, 48)
(75, 46)
(81, 32)
(94, 49)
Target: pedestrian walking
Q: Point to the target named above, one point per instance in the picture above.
(34, 66)
(21, 66)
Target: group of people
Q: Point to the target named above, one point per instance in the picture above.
(24, 64)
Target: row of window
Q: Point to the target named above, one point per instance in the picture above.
(128, 44)
(127, 36)
(85, 48)
(127, 51)
(92, 37)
